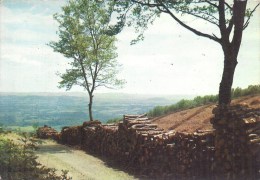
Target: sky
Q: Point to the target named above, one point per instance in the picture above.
(170, 60)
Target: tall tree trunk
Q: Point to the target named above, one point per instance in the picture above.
(90, 107)
(231, 49)
(225, 86)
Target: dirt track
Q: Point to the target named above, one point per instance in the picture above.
(81, 166)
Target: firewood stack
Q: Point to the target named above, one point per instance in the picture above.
(47, 132)
(109, 141)
(237, 141)
(145, 149)
(252, 126)
(89, 135)
(133, 131)
(192, 154)
(71, 135)
(165, 154)
(157, 153)
(100, 139)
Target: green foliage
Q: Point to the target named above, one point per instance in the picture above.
(201, 100)
(250, 90)
(133, 14)
(141, 13)
(82, 38)
(229, 18)
(115, 120)
(18, 161)
(35, 126)
(182, 105)
(158, 111)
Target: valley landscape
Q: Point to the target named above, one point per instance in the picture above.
(66, 109)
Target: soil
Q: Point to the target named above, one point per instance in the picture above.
(80, 165)
(198, 118)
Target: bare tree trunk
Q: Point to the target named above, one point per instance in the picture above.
(231, 50)
(225, 86)
(90, 107)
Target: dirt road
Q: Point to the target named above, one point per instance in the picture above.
(81, 166)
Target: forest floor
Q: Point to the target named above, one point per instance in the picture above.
(80, 165)
(198, 118)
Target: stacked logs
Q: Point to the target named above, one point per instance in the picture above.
(71, 136)
(74, 135)
(192, 154)
(252, 126)
(237, 142)
(100, 139)
(144, 148)
(47, 132)
(147, 149)
(174, 153)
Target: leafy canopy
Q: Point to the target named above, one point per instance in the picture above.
(141, 13)
(82, 24)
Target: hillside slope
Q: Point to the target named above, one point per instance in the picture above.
(198, 118)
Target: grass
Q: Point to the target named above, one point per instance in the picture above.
(20, 128)
(19, 161)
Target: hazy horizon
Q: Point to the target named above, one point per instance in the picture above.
(74, 93)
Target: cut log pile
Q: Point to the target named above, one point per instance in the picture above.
(146, 149)
(71, 135)
(100, 139)
(47, 132)
(237, 141)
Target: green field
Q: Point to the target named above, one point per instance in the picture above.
(20, 128)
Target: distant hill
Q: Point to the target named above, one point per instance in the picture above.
(64, 109)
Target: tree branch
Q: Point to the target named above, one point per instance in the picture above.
(212, 4)
(146, 4)
(160, 9)
(249, 17)
(222, 19)
(229, 7)
(85, 76)
(200, 17)
(188, 27)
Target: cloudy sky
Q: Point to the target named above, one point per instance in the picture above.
(171, 60)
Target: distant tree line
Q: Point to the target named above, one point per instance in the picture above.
(201, 100)
(115, 120)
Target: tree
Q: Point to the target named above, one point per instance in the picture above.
(228, 16)
(82, 24)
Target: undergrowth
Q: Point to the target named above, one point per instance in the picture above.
(18, 160)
